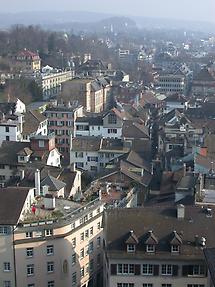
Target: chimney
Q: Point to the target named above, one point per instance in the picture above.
(203, 241)
(49, 202)
(100, 194)
(22, 174)
(201, 187)
(185, 169)
(37, 182)
(180, 211)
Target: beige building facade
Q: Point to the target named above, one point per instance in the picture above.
(62, 251)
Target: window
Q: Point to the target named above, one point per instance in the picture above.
(147, 285)
(98, 241)
(41, 143)
(87, 268)
(30, 252)
(74, 278)
(175, 248)
(98, 259)
(82, 236)
(29, 234)
(82, 272)
(73, 225)
(7, 129)
(2, 166)
(198, 270)
(7, 284)
(112, 119)
(93, 168)
(166, 269)
(50, 267)
(86, 233)
(4, 230)
(131, 248)
(91, 247)
(30, 270)
(7, 138)
(73, 258)
(150, 248)
(99, 225)
(50, 284)
(147, 269)
(48, 232)
(112, 131)
(73, 242)
(91, 215)
(50, 250)
(91, 230)
(82, 253)
(7, 266)
(125, 269)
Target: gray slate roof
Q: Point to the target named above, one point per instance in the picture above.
(53, 183)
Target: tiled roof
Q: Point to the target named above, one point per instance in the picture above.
(163, 221)
(53, 183)
(11, 204)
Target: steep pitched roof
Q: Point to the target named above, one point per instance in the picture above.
(11, 204)
(132, 238)
(53, 183)
(32, 121)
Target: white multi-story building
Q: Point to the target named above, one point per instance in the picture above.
(93, 153)
(59, 244)
(107, 126)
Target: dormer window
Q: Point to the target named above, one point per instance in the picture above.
(175, 248)
(131, 248)
(175, 242)
(150, 248)
(151, 242)
(131, 242)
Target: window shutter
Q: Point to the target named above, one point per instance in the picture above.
(190, 269)
(185, 270)
(175, 270)
(137, 269)
(156, 270)
(113, 268)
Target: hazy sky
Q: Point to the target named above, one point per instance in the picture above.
(180, 9)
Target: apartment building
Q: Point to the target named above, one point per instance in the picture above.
(92, 94)
(34, 124)
(174, 101)
(108, 125)
(171, 83)
(11, 123)
(61, 121)
(15, 157)
(93, 153)
(18, 125)
(49, 242)
(30, 61)
(157, 247)
(51, 81)
(203, 84)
